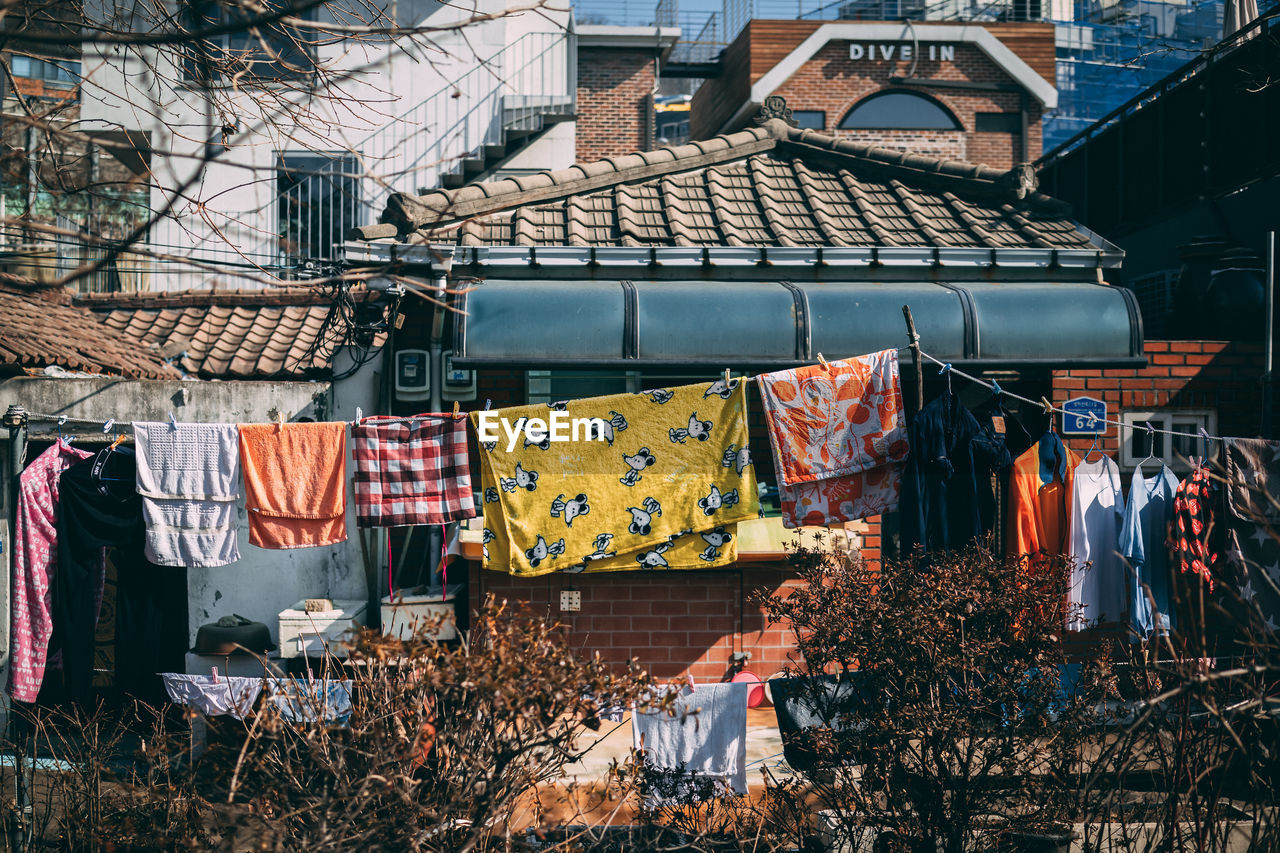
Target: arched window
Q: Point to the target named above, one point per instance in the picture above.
(899, 110)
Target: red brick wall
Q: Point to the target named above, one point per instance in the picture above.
(615, 106)
(1218, 375)
(834, 83)
(672, 622)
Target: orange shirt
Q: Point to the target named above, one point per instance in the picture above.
(1039, 499)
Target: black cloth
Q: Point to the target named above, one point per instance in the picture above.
(803, 705)
(99, 508)
(999, 425)
(950, 455)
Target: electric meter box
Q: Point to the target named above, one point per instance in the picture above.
(413, 374)
(458, 384)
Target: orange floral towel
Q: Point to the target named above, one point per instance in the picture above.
(838, 437)
(295, 483)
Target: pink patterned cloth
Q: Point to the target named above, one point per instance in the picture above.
(35, 559)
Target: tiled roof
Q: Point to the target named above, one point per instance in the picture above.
(39, 327)
(230, 334)
(767, 186)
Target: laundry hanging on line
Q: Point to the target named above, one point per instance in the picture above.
(663, 489)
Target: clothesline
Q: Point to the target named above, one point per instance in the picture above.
(110, 424)
(1040, 404)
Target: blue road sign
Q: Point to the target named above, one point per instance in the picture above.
(1084, 416)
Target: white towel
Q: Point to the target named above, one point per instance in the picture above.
(189, 479)
(227, 696)
(711, 743)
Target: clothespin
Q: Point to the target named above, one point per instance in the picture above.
(279, 420)
(107, 425)
(119, 441)
(726, 377)
(173, 422)
(688, 677)
(213, 670)
(488, 404)
(946, 370)
(995, 388)
(1048, 407)
(359, 416)
(62, 420)
(457, 410)
(822, 360)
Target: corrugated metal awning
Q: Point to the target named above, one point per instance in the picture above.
(635, 324)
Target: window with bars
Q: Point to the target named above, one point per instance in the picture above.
(318, 203)
(238, 46)
(1139, 447)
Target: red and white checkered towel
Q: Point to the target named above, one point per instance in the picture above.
(413, 471)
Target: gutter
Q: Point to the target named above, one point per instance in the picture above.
(633, 258)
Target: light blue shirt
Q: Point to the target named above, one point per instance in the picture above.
(1143, 534)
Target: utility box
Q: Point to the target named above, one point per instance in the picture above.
(413, 374)
(570, 600)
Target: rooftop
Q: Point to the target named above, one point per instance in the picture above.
(768, 186)
(40, 327)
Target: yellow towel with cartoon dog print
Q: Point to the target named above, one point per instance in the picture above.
(653, 480)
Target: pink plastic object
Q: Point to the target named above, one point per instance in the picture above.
(755, 688)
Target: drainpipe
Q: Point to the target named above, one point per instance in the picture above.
(440, 269)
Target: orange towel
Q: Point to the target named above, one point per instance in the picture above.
(295, 483)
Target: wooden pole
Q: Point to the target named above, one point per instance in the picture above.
(915, 355)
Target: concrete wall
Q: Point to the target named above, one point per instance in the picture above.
(262, 582)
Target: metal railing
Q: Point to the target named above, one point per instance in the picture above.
(512, 91)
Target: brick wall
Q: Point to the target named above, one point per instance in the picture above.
(615, 105)
(1217, 375)
(834, 83)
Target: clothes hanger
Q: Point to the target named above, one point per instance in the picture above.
(945, 370)
(1151, 446)
(1092, 448)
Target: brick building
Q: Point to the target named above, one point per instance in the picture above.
(975, 92)
(617, 79)
(750, 251)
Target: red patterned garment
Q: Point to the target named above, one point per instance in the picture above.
(35, 558)
(1191, 525)
(412, 471)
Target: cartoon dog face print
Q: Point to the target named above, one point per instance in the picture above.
(671, 540)
(721, 389)
(571, 508)
(541, 551)
(558, 406)
(654, 559)
(491, 495)
(486, 537)
(737, 458)
(697, 428)
(715, 539)
(636, 463)
(642, 516)
(489, 445)
(660, 395)
(544, 444)
(527, 480)
(608, 429)
(715, 500)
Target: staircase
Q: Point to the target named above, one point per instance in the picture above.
(470, 125)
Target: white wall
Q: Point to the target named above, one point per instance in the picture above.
(235, 201)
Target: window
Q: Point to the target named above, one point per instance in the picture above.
(1173, 450)
(270, 51)
(552, 386)
(998, 122)
(318, 202)
(809, 119)
(65, 72)
(899, 110)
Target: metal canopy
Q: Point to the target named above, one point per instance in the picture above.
(635, 324)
